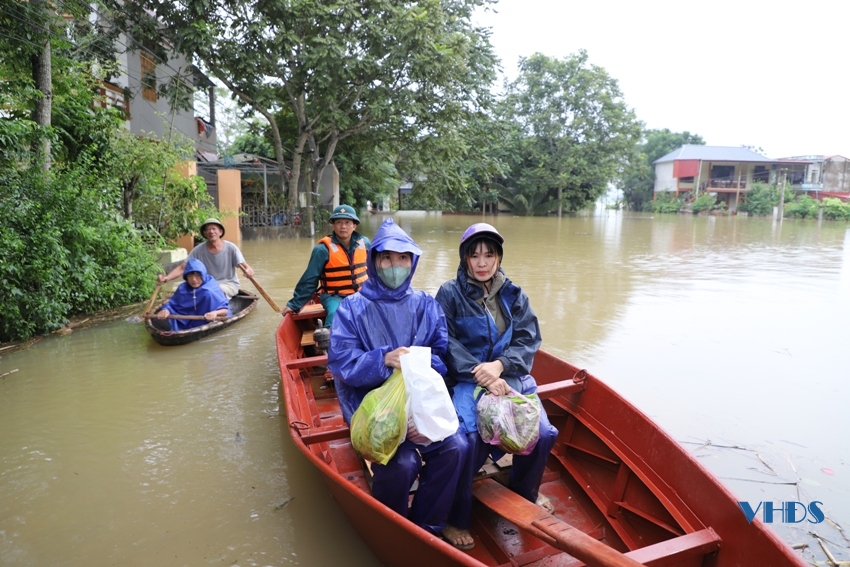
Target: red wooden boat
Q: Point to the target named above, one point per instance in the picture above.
(625, 493)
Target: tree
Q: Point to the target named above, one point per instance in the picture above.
(638, 179)
(340, 68)
(576, 129)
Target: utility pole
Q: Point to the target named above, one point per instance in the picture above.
(782, 194)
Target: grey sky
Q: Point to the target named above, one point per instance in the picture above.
(749, 72)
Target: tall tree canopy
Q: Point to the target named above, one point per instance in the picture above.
(339, 68)
(638, 180)
(576, 132)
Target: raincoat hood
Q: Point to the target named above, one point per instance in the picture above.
(390, 237)
(195, 265)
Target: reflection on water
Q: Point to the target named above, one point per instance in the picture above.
(730, 332)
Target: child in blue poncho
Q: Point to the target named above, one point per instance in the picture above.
(199, 294)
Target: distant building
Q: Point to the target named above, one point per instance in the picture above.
(728, 172)
(824, 176)
(134, 90)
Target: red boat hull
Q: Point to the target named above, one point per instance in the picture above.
(614, 476)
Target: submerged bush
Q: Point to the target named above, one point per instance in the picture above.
(64, 251)
(665, 202)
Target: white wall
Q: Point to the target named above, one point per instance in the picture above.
(664, 180)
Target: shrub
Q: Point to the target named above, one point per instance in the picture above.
(63, 251)
(834, 209)
(761, 198)
(703, 202)
(803, 207)
(665, 202)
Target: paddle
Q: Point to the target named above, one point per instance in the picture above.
(187, 317)
(262, 292)
(538, 522)
(153, 298)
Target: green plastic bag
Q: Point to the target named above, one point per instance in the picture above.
(379, 425)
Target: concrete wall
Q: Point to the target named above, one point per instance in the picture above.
(664, 180)
(230, 200)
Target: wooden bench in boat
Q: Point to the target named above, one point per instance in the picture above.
(538, 522)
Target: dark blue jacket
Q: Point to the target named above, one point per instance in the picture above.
(473, 339)
(377, 320)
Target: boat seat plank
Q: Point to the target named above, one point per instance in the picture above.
(310, 311)
(307, 362)
(320, 435)
(307, 338)
(546, 391)
(538, 522)
(675, 551)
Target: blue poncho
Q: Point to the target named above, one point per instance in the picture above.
(195, 301)
(377, 320)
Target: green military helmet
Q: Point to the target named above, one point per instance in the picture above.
(344, 212)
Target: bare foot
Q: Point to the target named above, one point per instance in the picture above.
(545, 503)
(459, 538)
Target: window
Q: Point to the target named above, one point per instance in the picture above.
(148, 76)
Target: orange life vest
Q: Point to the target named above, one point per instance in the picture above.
(343, 275)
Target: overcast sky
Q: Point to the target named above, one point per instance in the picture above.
(773, 75)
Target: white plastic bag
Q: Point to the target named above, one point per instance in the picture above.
(430, 406)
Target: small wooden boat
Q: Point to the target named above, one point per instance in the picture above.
(241, 305)
(625, 493)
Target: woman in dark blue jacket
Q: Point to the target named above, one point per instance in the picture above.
(493, 337)
(370, 332)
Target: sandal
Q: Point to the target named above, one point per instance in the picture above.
(545, 503)
(453, 537)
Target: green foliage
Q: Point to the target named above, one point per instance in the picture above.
(638, 178)
(704, 202)
(322, 72)
(803, 207)
(150, 191)
(64, 251)
(835, 209)
(665, 202)
(760, 199)
(575, 130)
(252, 143)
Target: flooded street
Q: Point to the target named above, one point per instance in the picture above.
(731, 333)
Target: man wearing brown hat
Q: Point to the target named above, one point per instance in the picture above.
(220, 257)
(337, 267)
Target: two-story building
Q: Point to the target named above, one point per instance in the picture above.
(728, 172)
(134, 90)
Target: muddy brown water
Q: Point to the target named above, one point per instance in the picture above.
(732, 333)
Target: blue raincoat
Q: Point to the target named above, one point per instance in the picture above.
(473, 339)
(195, 301)
(367, 326)
(377, 320)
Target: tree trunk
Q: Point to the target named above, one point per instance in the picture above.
(42, 72)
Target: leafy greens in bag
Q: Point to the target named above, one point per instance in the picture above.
(379, 425)
(511, 422)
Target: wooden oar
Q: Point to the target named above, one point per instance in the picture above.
(538, 522)
(153, 298)
(263, 292)
(187, 317)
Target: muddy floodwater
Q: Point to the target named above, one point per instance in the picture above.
(732, 333)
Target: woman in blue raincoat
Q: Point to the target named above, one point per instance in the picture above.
(370, 332)
(199, 294)
(493, 337)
